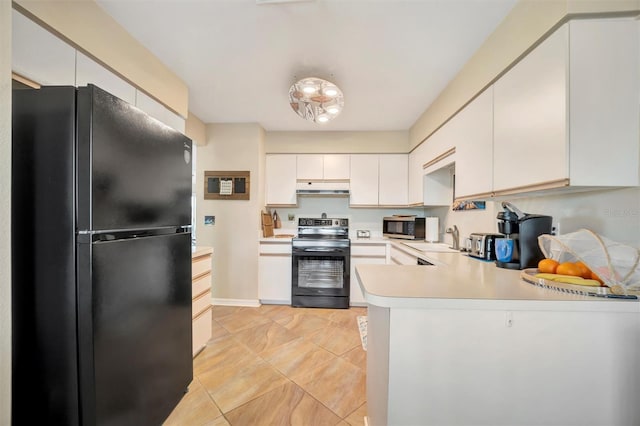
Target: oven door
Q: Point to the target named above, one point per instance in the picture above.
(320, 268)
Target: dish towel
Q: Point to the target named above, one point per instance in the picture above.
(362, 327)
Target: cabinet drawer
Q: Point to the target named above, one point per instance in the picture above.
(200, 265)
(368, 250)
(201, 285)
(201, 303)
(201, 331)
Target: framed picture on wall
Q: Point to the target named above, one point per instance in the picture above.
(469, 205)
(226, 185)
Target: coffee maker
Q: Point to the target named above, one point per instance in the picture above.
(524, 229)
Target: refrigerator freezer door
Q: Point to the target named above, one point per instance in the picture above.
(134, 328)
(133, 171)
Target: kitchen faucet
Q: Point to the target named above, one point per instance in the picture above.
(455, 235)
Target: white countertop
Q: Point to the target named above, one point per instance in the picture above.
(356, 241)
(275, 240)
(459, 281)
(201, 251)
(372, 240)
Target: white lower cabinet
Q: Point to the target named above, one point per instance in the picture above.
(274, 272)
(364, 254)
(201, 265)
(503, 362)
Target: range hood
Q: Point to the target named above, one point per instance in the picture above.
(325, 188)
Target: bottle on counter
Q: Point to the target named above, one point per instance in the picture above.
(276, 220)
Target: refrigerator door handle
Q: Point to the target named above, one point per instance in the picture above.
(125, 234)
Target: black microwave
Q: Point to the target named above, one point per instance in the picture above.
(406, 227)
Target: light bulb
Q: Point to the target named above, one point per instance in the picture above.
(333, 109)
(323, 118)
(331, 91)
(309, 87)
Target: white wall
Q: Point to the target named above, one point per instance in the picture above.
(337, 142)
(234, 237)
(5, 212)
(359, 218)
(614, 214)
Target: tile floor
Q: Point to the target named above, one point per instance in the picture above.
(278, 365)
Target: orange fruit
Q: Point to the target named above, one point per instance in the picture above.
(547, 266)
(568, 268)
(595, 276)
(585, 272)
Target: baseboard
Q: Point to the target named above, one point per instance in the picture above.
(251, 303)
(275, 302)
(358, 304)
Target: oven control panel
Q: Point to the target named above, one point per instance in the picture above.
(322, 222)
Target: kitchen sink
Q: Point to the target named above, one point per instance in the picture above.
(430, 247)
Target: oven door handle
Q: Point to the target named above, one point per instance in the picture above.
(323, 250)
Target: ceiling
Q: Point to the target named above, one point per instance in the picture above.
(391, 58)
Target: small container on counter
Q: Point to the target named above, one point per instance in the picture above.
(276, 220)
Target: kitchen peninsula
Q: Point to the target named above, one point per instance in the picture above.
(466, 343)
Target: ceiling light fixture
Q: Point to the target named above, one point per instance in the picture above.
(315, 99)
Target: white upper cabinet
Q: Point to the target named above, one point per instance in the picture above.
(438, 186)
(441, 146)
(310, 166)
(474, 147)
(89, 71)
(45, 59)
(336, 166)
(417, 159)
(280, 179)
(437, 177)
(604, 88)
(392, 179)
(363, 185)
(530, 117)
(568, 113)
(39, 55)
(323, 166)
(158, 111)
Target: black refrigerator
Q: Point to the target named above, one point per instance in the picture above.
(101, 260)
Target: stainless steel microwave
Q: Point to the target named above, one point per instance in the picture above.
(405, 227)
